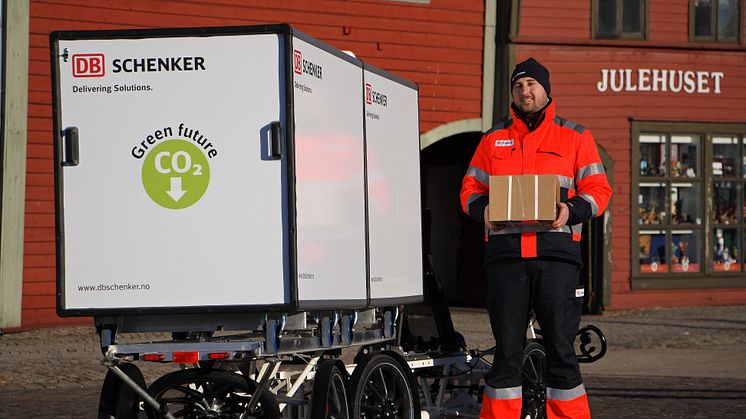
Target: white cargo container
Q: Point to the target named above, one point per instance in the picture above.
(226, 170)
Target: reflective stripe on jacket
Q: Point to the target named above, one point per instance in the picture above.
(557, 146)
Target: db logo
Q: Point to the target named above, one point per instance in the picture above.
(297, 62)
(368, 93)
(88, 65)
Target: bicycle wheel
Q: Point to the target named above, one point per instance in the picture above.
(381, 389)
(534, 381)
(201, 393)
(329, 394)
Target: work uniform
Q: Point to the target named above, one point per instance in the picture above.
(535, 265)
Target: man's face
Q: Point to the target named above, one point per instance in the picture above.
(529, 95)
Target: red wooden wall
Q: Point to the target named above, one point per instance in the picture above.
(559, 35)
(570, 21)
(437, 45)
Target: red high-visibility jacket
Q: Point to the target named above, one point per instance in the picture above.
(557, 146)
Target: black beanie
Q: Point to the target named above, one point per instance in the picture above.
(534, 69)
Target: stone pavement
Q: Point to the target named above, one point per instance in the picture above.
(673, 362)
(677, 342)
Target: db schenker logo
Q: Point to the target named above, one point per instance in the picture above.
(368, 93)
(297, 62)
(372, 96)
(88, 65)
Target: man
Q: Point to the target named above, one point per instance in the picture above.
(531, 266)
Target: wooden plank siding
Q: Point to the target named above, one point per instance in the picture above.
(668, 19)
(575, 71)
(437, 45)
(570, 21)
(575, 61)
(543, 18)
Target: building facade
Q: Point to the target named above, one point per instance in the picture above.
(659, 83)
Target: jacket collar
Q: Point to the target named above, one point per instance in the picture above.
(520, 124)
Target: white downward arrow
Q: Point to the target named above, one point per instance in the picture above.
(176, 192)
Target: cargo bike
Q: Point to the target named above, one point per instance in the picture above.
(254, 194)
(293, 367)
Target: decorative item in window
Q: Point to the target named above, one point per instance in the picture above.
(652, 252)
(724, 202)
(725, 252)
(685, 200)
(724, 155)
(652, 204)
(678, 216)
(684, 251)
(684, 153)
(652, 155)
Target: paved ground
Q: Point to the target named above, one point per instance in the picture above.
(675, 363)
(661, 363)
(703, 342)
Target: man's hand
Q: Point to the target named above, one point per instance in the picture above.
(563, 213)
(494, 226)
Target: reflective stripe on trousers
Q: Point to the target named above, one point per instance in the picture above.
(505, 403)
(567, 404)
(498, 403)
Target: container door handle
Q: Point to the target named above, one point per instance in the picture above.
(72, 153)
(275, 130)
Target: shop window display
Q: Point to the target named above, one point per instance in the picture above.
(724, 156)
(690, 191)
(685, 251)
(652, 204)
(725, 202)
(684, 155)
(685, 203)
(669, 196)
(726, 252)
(652, 155)
(653, 252)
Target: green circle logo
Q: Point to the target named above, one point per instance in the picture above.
(175, 174)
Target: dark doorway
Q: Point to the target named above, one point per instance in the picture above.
(592, 274)
(596, 249)
(457, 241)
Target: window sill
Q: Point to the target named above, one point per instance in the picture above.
(653, 282)
(628, 43)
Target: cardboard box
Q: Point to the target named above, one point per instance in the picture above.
(524, 198)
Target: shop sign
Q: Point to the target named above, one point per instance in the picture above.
(658, 80)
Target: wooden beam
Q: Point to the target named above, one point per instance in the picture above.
(13, 141)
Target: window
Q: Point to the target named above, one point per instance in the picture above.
(689, 218)
(715, 20)
(614, 19)
(669, 203)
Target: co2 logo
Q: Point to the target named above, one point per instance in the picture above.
(175, 174)
(181, 162)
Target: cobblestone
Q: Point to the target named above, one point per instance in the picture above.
(673, 362)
